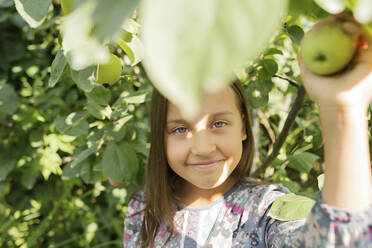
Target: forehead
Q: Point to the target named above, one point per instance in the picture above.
(223, 100)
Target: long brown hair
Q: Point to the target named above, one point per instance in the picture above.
(160, 193)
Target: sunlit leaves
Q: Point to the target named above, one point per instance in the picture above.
(33, 11)
(200, 47)
(133, 47)
(74, 124)
(291, 207)
(50, 163)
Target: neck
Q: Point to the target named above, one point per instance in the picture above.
(192, 196)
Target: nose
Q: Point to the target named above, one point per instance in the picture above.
(202, 143)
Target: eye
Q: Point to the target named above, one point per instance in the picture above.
(180, 130)
(219, 124)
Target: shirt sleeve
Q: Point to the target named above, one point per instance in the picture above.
(133, 223)
(325, 226)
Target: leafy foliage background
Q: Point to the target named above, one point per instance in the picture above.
(59, 144)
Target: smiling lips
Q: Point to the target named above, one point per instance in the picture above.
(206, 164)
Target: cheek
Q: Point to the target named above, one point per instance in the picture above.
(233, 145)
(176, 151)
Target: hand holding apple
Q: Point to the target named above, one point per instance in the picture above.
(349, 88)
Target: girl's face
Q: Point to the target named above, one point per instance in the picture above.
(205, 150)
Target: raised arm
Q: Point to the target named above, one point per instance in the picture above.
(343, 100)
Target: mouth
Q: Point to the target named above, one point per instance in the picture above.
(206, 164)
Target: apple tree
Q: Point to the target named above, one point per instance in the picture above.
(76, 78)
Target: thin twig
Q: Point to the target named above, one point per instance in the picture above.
(266, 124)
(292, 82)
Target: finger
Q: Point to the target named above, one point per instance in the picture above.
(345, 16)
(364, 46)
(354, 28)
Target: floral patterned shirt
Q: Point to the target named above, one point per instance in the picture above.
(240, 219)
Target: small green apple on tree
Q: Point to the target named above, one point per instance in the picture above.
(110, 72)
(327, 49)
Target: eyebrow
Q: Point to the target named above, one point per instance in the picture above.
(227, 112)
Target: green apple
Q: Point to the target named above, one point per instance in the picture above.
(67, 6)
(327, 48)
(110, 72)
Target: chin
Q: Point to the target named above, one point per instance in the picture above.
(211, 183)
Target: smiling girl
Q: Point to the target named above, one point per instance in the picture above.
(198, 192)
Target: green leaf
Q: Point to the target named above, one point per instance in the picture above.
(74, 124)
(120, 162)
(5, 167)
(36, 138)
(88, 174)
(109, 16)
(69, 172)
(134, 49)
(50, 163)
(296, 34)
(85, 78)
(258, 93)
(8, 99)
(201, 47)
(33, 11)
(332, 6)
(291, 207)
(302, 162)
(137, 97)
(83, 155)
(270, 67)
(99, 94)
(306, 7)
(30, 173)
(99, 111)
(282, 178)
(58, 66)
(56, 142)
(119, 124)
(272, 51)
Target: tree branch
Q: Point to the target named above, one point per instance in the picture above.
(284, 133)
(266, 124)
(292, 82)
